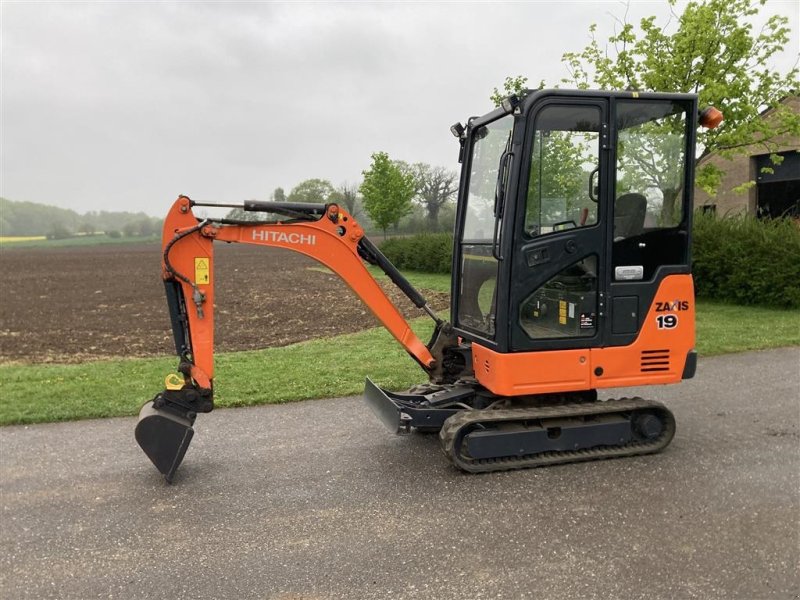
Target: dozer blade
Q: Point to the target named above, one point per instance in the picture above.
(164, 437)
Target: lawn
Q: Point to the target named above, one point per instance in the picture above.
(724, 328)
(315, 369)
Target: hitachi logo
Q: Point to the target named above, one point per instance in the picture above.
(284, 238)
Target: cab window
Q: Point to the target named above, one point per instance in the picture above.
(564, 170)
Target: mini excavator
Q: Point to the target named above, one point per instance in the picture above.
(571, 273)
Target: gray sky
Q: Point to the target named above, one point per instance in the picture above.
(123, 106)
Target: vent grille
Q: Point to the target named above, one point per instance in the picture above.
(655, 360)
(486, 366)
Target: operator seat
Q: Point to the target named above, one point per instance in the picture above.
(629, 213)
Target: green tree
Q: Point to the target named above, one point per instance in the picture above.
(711, 50)
(87, 228)
(145, 227)
(59, 232)
(31, 218)
(387, 191)
(561, 163)
(239, 214)
(316, 191)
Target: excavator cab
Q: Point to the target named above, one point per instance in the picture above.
(573, 227)
(571, 273)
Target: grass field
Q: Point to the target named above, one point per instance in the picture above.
(81, 240)
(315, 369)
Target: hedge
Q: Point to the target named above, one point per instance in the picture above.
(741, 260)
(747, 261)
(427, 252)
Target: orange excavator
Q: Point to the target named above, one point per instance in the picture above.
(571, 273)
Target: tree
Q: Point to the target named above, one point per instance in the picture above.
(561, 163)
(239, 214)
(387, 191)
(347, 195)
(316, 191)
(279, 195)
(434, 187)
(59, 232)
(146, 227)
(87, 228)
(712, 51)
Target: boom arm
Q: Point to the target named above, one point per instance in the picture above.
(334, 239)
(323, 232)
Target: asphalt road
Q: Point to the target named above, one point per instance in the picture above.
(316, 500)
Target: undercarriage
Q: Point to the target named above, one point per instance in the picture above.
(481, 433)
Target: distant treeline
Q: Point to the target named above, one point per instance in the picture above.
(30, 218)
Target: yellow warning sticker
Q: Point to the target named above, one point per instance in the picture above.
(562, 312)
(202, 271)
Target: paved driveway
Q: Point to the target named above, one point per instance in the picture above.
(316, 500)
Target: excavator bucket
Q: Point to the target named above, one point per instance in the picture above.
(164, 436)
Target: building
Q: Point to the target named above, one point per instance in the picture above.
(775, 194)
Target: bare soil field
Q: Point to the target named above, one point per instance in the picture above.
(82, 303)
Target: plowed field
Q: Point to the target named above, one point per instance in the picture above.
(82, 303)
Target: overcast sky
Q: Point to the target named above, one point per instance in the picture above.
(123, 106)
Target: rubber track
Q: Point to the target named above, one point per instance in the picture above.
(460, 424)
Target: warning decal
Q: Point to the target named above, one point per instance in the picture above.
(202, 271)
(562, 312)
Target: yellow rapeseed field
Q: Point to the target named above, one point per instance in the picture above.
(10, 239)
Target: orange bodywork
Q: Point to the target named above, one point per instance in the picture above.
(657, 356)
(332, 240)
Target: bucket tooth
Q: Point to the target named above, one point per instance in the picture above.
(164, 436)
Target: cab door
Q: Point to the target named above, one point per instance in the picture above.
(559, 251)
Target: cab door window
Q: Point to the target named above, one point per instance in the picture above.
(564, 170)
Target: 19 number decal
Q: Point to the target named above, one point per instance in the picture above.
(667, 321)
